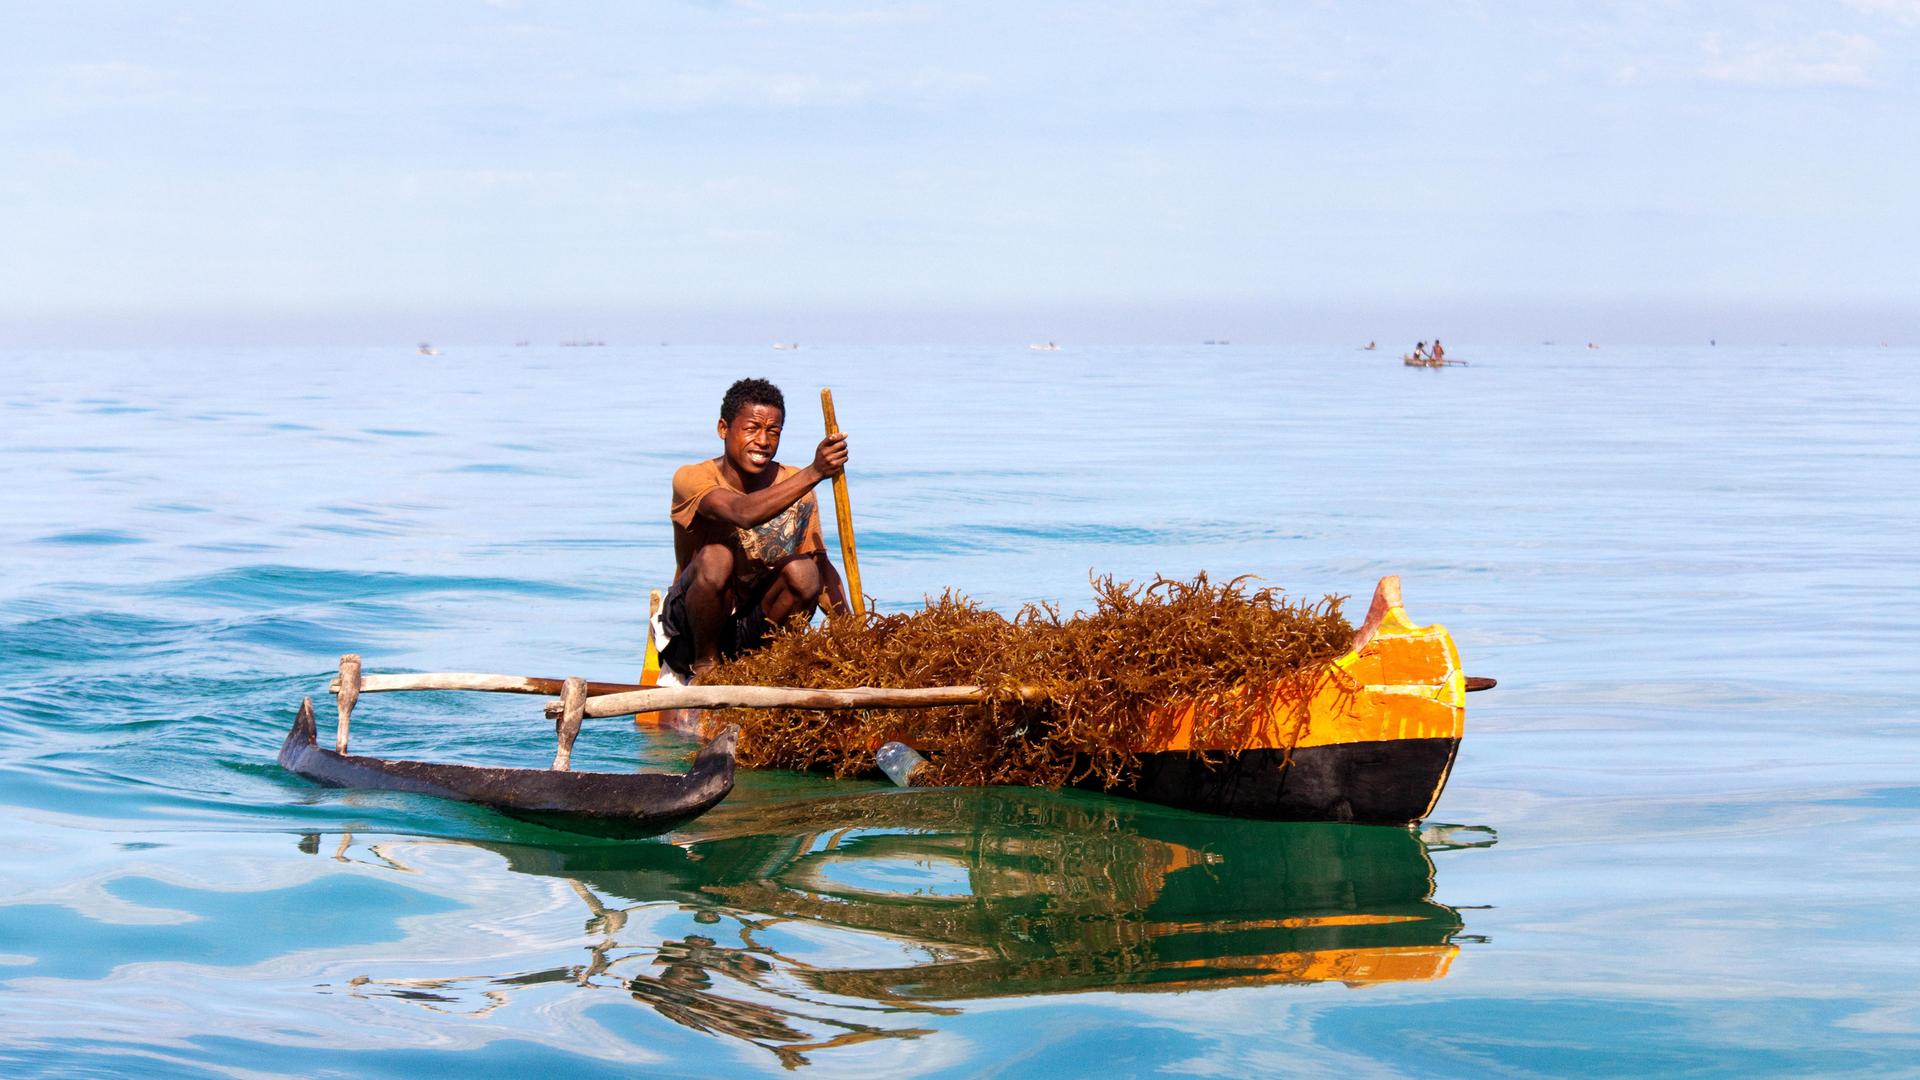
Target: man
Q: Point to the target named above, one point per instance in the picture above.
(746, 538)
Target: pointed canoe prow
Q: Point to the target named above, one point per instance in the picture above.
(1386, 597)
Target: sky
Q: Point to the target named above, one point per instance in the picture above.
(361, 172)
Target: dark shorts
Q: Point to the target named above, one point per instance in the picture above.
(745, 629)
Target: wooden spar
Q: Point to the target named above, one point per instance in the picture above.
(350, 685)
(789, 697)
(843, 514)
(462, 680)
(603, 699)
(573, 695)
(666, 698)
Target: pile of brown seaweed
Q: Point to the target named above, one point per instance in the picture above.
(1102, 680)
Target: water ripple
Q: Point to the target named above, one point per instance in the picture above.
(270, 586)
(92, 538)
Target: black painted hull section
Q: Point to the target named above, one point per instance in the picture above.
(1391, 782)
(632, 799)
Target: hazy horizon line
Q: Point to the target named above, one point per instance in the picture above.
(1639, 322)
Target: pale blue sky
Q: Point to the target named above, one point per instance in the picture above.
(928, 171)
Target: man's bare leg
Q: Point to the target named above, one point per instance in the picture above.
(797, 590)
(708, 584)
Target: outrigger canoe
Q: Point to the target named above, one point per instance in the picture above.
(1381, 730)
(629, 803)
(1374, 743)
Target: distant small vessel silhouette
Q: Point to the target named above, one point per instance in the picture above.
(1044, 347)
(1370, 346)
(428, 350)
(786, 344)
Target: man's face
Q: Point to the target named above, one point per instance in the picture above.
(752, 438)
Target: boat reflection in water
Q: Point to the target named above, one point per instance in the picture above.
(826, 922)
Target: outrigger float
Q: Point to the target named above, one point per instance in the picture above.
(631, 802)
(1381, 729)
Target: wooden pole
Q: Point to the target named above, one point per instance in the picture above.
(573, 696)
(787, 697)
(668, 698)
(466, 680)
(349, 693)
(843, 512)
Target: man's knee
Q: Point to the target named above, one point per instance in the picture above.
(803, 578)
(711, 568)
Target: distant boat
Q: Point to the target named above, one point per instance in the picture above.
(1591, 345)
(786, 344)
(428, 350)
(1216, 341)
(1044, 347)
(1412, 360)
(582, 344)
(1370, 346)
(521, 344)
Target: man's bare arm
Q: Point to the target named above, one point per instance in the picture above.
(744, 510)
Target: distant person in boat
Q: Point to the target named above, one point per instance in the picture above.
(1420, 351)
(1438, 352)
(747, 548)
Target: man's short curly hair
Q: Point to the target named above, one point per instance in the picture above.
(751, 392)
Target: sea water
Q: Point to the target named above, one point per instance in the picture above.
(1679, 838)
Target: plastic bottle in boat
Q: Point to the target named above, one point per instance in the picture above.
(898, 761)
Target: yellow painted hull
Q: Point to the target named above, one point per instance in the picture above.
(1405, 683)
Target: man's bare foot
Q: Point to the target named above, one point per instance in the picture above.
(700, 669)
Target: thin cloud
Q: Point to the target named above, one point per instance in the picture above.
(736, 87)
(1901, 11)
(1828, 58)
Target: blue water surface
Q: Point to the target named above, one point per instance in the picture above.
(1678, 839)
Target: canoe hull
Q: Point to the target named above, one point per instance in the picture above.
(1390, 782)
(631, 799)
